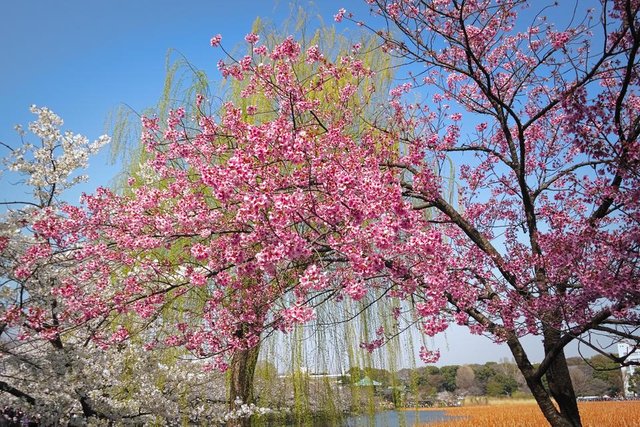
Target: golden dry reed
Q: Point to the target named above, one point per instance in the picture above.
(594, 414)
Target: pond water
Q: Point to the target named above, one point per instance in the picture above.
(396, 419)
(407, 418)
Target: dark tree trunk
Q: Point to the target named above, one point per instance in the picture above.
(4, 387)
(559, 380)
(241, 370)
(87, 409)
(545, 403)
(562, 386)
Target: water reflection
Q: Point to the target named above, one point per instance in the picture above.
(408, 418)
(396, 419)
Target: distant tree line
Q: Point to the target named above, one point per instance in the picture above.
(595, 376)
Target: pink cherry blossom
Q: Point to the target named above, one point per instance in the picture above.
(215, 40)
(340, 15)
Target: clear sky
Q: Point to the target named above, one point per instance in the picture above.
(84, 58)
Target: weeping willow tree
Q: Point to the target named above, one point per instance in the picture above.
(327, 367)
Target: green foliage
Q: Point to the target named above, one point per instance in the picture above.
(449, 377)
(608, 371)
(486, 372)
(634, 382)
(501, 385)
(595, 376)
(432, 380)
(492, 379)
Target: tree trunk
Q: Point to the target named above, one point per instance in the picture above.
(546, 405)
(242, 368)
(559, 380)
(8, 388)
(540, 393)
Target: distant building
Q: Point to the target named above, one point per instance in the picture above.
(633, 353)
(367, 382)
(304, 371)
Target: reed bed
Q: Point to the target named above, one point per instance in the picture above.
(594, 414)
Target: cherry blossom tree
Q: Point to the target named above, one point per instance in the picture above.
(233, 227)
(49, 364)
(543, 120)
(48, 169)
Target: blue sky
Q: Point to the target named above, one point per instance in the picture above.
(84, 58)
